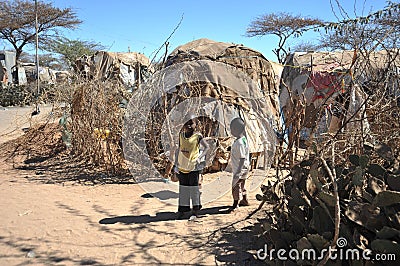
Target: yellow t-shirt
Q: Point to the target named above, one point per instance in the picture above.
(189, 149)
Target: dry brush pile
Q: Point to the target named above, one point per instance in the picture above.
(349, 185)
(21, 95)
(97, 113)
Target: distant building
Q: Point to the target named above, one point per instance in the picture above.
(7, 61)
(131, 69)
(15, 74)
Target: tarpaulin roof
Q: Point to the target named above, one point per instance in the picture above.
(201, 48)
(245, 59)
(321, 76)
(340, 60)
(106, 65)
(257, 102)
(317, 70)
(215, 82)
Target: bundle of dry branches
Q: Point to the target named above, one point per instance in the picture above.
(348, 186)
(96, 124)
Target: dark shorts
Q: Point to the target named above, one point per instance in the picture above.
(189, 191)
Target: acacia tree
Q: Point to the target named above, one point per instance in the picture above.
(71, 50)
(45, 60)
(17, 22)
(283, 25)
(380, 29)
(306, 46)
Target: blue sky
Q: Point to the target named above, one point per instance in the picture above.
(144, 25)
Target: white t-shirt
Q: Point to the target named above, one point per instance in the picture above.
(240, 149)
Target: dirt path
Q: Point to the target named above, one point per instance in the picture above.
(13, 120)
(115, 224)
(50, 222)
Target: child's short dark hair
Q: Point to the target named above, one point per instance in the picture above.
(190, 117)
(237, 126)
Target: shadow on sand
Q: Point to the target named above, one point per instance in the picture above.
(161, 216)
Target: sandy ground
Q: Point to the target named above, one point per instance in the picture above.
(13, 120)
(54, 223)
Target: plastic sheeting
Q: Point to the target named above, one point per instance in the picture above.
(130, 68)
(245, 59)
(320, 77)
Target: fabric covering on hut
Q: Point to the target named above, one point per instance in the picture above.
(320, 92)
(251, 62)
(314, 80)
(255, 100)
(130, 68)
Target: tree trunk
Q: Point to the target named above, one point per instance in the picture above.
(18, 52)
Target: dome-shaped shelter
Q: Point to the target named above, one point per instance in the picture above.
(245, 59)
(214, 82)
(240, 78)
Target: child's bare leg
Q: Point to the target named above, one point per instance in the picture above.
(235, 192)
(244, 201)
(200, 182)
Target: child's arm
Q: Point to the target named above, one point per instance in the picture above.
(239, 168)
(172, 165)
(242, 160)
(205, 150)
(175, 168)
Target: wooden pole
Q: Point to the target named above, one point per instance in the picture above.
(37, 60)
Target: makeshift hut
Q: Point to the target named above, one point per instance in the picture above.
(321, 90)
(7, 62)
(129, 68)
(310, 80)
(99, 102)
(223, 81)
(46, 74)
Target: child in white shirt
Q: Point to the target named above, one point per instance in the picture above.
(240, 163)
